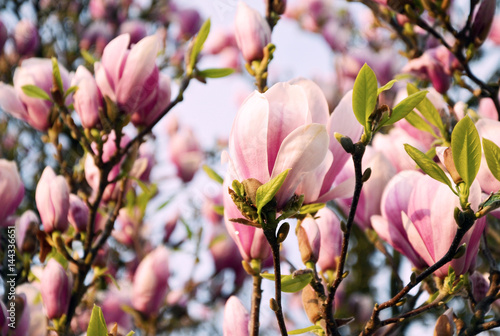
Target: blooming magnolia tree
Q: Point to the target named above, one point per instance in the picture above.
(388, 169)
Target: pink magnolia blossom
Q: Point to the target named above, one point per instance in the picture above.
(331, 239)
(26, 227)
(52, 201)
(129, 77)
(26, 38)
(236, 318)
(389, 225)
(88, 98)
(432, 66)
(151, 282)
(185, 153)
(55, 287)
(78, 214)
(431, 226)
(35, 111)
(189, 22)
(11, 189)
(286, 127)
(252, 32)
(392, 146)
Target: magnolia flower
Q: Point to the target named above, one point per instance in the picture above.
(151, 282)
(389, 225)
(431, 226)
(252, 32)
(88, 98)
(129, 77)
(35, 111)
(52, 201)
(11, 189)
(331, 239)
(236, 318)
(55, 287)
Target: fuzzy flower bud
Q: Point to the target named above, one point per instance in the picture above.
(11, 189)
(55, 289)
(252, 32)
(309, 240)
(26, 229)
(52, 201)
(78, 214)
(26, 38)
(151, 282)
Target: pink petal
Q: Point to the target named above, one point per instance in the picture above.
(248, 139)
(301, 151)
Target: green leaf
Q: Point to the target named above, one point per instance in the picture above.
(131, 333)
(466, 150)
(386, 87)
(88, 57)
(402, 109)
(492, 155)
(212, 174)
(304, 330)
(97, 325)
(267, 191)
(164, 204)
(70, 90)
(199, 40)
(428, 165)
(34, 91)
(291, 283)
(189, 232)
(364, 95)
(56, 73)
(419, 123)
(311, 208)
(215, 73)
(428, 110)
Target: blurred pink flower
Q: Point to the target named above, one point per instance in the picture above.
(35, 111)
(488, 129)
(52, 201)
(87, 99)
(236, 318)
(331, 239)
(252, 32)
(151, 282)
(26, 38)
(11, 189)
(185, 153)
(55, 287)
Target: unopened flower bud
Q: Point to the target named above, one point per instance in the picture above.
(450, 165)
(483, 19)
(311, 304)
(26, 229)
(479, 284)
(444, 324)
(52, 201)
(12, 191)
(151, 282)
(26, 38)
(252, 32)
(55, 289)
(251, 185)
(309, 239)
(236, 318)
(78, 214)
